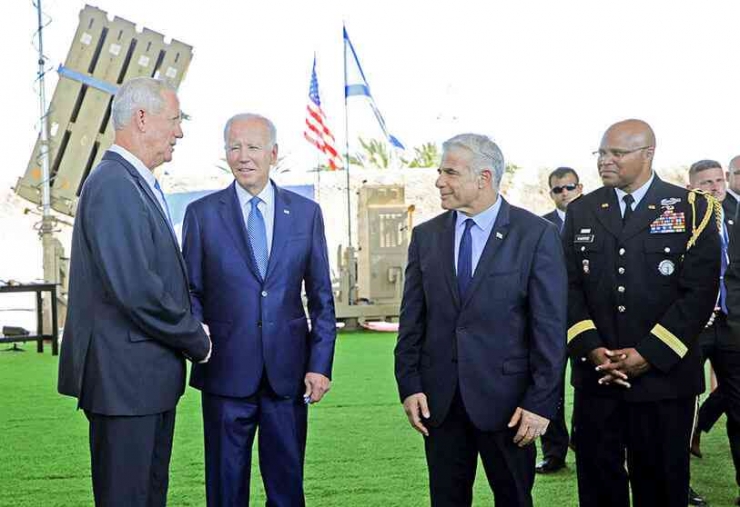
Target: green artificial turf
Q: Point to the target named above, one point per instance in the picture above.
(361, 451)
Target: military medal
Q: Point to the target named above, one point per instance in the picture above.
(586, 269)
(666, 267)
(669, 220)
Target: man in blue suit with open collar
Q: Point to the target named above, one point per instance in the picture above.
(249, 249)
(481, 343)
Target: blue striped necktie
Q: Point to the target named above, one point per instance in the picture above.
(257, 236)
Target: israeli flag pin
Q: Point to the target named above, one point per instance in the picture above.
(286, 211)
(499, 235)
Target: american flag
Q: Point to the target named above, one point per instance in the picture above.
(317, 132)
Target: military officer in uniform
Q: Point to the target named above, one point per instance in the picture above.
(643, 260)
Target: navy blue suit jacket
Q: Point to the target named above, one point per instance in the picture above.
(128, 319)
(555, 219)
(504, 344)
(259, 325)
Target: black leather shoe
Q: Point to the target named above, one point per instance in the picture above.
(549, 465)
(696, 499)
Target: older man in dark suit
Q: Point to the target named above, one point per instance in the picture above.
(481, 344)
(129, 324)
(250, 249)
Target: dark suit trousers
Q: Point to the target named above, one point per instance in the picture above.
(655, 436)
(229, 427)
(130, 458)
(722, 348)
(555, 439)
(452, 451)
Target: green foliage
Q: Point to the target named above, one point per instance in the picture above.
(426, 155)
(511, 169)
(375, 154)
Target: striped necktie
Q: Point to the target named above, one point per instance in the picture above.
(257, 236)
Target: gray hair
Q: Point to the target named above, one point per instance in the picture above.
(485, 153)
(138, 93)
(251, 116)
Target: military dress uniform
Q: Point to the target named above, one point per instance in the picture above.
(648, 283)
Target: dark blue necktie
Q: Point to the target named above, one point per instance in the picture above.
(465, 260)
(722, 288)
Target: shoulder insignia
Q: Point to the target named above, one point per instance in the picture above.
(713, 208)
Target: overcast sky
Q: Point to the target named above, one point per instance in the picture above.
(543, 78)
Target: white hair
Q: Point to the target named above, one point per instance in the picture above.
(485, 153)
(251, 116)
(138, 93)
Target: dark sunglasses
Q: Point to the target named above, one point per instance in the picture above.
(559, 190)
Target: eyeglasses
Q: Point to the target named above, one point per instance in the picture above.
(559, 190)
(616, 153)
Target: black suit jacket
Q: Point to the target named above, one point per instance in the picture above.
(555, 219)
(128, 319)
(637, 287)
(730, 209)
(504, 343)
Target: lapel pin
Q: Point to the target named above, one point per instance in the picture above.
(604, 205)
(730, 222)
(286, 211)
(651, 206)
(499, 235)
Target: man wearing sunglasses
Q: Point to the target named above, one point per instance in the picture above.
(564, 188)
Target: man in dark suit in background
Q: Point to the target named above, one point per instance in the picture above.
(718, 343)
(481, 344)
(732, 198)
(249, 250)
(643, 259)
(564, 188)
(129, 324)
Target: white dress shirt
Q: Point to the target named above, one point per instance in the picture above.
(266, 207)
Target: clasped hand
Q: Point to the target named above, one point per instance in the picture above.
(618, 366)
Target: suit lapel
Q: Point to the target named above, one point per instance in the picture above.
(153, 202)
(233, 217)
(608, 212)
(447, 242)
(281, 228)
(499, 230)
(647, 211)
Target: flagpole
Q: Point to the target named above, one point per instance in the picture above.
(350, 262)
(318, 179)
